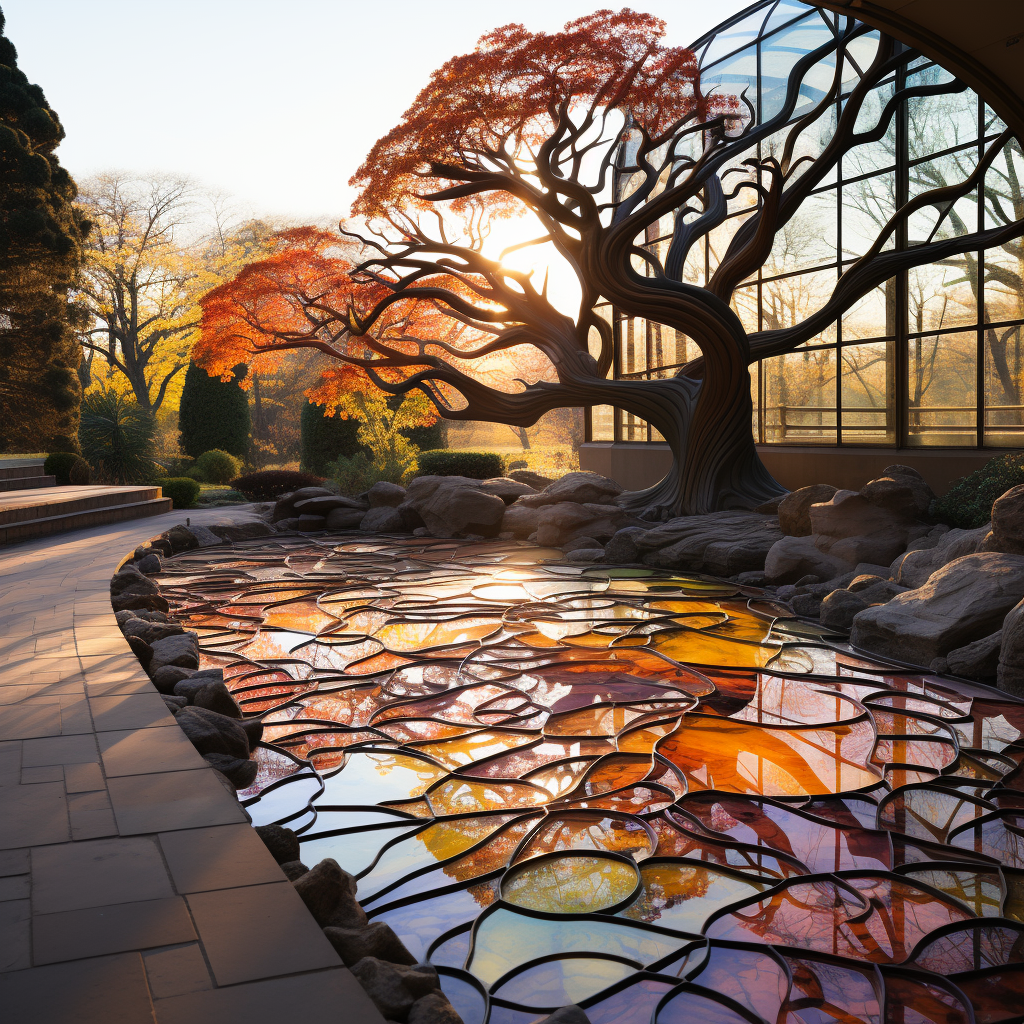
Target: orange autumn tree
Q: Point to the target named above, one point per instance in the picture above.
(272, 306)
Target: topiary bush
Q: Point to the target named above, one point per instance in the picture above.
(476, 465)
(217, 467)
(326, 438)
(968, 503)
(117, 437)
(181, 490)
(270, 484)
(213, 413)
(80, 473)
(58, 464)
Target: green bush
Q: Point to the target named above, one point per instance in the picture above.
(213, 413)
(58, 464)
(968, 503)
(217, 467)
(359, 472)
(181, 490)
(270, 484)
(476, 465)
(116, 436)
(80, 474)
(326, 438)
(430, 438)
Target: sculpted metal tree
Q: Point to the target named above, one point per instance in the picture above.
(606, 140)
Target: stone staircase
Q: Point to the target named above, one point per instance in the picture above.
(32, 506)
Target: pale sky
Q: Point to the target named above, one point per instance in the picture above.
(274, 103)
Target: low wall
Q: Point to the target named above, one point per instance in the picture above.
(641, 465)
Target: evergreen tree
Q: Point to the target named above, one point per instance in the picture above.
(41, 236)
(213, 414)
(325, 437)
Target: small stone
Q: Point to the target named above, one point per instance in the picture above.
(168, 676)
(377, 939)
(130, 577)
(382, 519)
(751, 579)
(241, 772)
(181, 650)
(330, 894)
(181, 539)
(211, 733)
(807, 581)
(141, 650)
(131, 601)
(172, 703)
(384, 494)
(151, 631)
(216, 697)
(309, 523)
(344, 519)
(150, 564)
(839, 608)
(282, 842)
(806, 605)
(585, 555)
(253, 729)
(433, 1008)
(394, 987)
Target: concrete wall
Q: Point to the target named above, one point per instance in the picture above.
(640, 465)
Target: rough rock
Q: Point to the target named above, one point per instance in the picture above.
(181, 650)
(585, 555)
(172, 703)
(979, 660)
(849, 527)
(722, 543)
(567, 1015)
(239, 771)
(1010, 672)
(624, 546)
(344, 519)
(567, 520)
(210, 694)
(1008, 522)
(241, 527)
(807, 605)
(771, 506)
(902, 490)
(129, 578)
(150, 564)
(839, 608)
(181, 538)
(791, 558)
(383, 494)
(875, 590)
(309, 523)
(410, 517)
(961, 602)
(141, 650)
(211, 733)
(282, 842)
(531, 479)
(394, 987)
(433, 1008)
(253, 729)
(795, 508)
(329, 893)
(916, 566)
(294, 869)
(376, 939)
(579, 543)
(328, 503)
(581, 488)
(129, 601)
(451, 505)
(167, 677)
(151, 631)
(205, 536)
(382, 519)
(506, 488)
(520, 521)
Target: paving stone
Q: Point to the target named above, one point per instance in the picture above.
(172, 800)
(145, 751)
(14, 862)
(102, 990)
(33, 815)
(225, 856)
(15, 939)
(128, 711)
(275, 909)
(10, 763)
(96, 874)
(23, 721)
(93, 824)
(321, 997)
(14, 887)
(114, 929)
(176, 971)
(48, 773)
(83, 778)
(74, 714)
(60, 750)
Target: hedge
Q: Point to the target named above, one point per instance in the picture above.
(181, 490)
(968, 503)
(58, 464)
(269, 484)
(213, 414)
(476, 465)
(216, 467)
(325, 438)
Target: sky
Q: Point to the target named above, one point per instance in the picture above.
(274, 104)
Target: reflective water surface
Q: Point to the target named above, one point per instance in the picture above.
(651, 794)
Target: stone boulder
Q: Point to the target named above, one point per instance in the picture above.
(979, 660)
(149, 564)
(506, 488)
(127, 600)
(794, 509)
(453, 505)
(520, 521)
(839, 608)
(329, 893)
(240, 527)
(433, 1008)
(382, 519)
(327, 503)
(585, 556)
(212, 694)
(1007, 522)
(181, 650)
(624, 546)
(181, 538)
(961, 602)
(151, 631)
(916, 566)
(309, 524)
(168, 676)
(211, 733)
(284, 507)
(1010, 670)
(383, 493)
(344, 519)
(395, 987)
(282, 842)
(239, 771)
(900, 490)
(377, 940)
(850, 527)
(531, 479)
(130, 580)
(792, 558)
(567, 520)
(721, 543)
(579, 488)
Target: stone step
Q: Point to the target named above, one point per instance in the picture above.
(80, 520)
(10, 468)
(24, 483)
(21, 506)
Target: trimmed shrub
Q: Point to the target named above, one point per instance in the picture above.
(476, 465)
(58, 464)
(217, 467)
(116, 435)
(270, 484)
(80, 473)
(968, 503)
(326, 438)
(214, 414)
(181, 490)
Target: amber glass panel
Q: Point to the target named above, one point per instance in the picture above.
(941, 390)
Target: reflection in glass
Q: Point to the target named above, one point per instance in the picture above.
(800, 397)
(941, 382)
(868, 393)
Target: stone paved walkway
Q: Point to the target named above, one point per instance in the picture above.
(132, 889)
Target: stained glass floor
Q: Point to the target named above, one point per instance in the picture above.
(654, 795)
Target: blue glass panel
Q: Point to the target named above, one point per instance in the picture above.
(778, 57)
(734, 37)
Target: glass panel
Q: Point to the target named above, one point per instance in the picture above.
(1004, 283)
(868, 394)
(778, 57)
(939, 122)
(669, 348)
(718, 240)
(602, 427)
(789, 300)
(1004, 366)
(942, 386)
(872, 156)
(810, 143)
(754, 400)
(734, 37)
(800, 398)
(744, 305)
(868, 205)
(787, 10)
(631, 427)
(809, 239)
(633, 345)
(874, 315)
(733, 76)
(1004, 188)
(940, 296)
